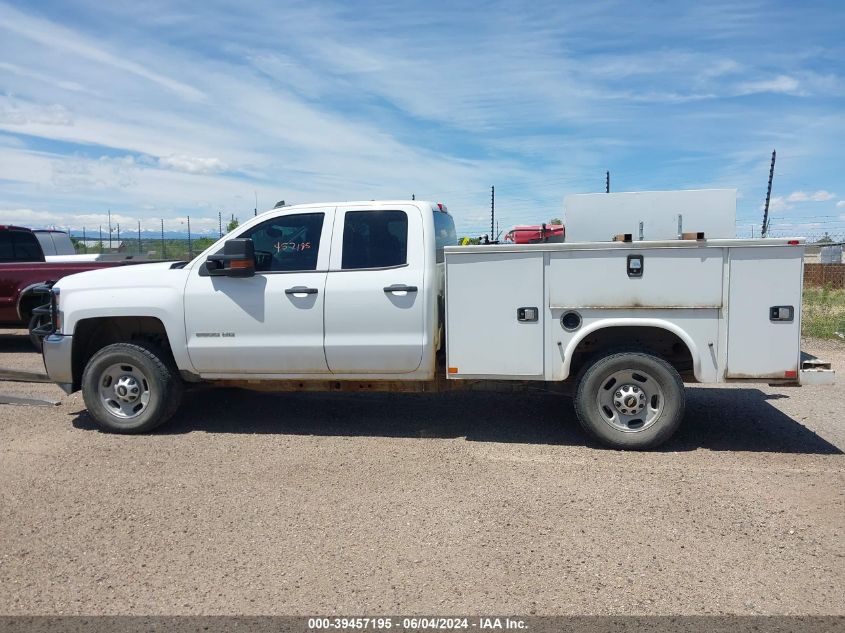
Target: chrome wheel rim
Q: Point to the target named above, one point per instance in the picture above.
(630, 400)
(124, 390)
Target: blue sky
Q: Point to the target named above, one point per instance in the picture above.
(163, 109)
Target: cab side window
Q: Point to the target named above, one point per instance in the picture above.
(287, 243)
(374, 239)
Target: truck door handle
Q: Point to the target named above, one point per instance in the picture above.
(300, 290)
(400, 288)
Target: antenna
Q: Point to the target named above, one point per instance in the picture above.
(492, 211)
(764, 231)
(256, 202)
(607, 182)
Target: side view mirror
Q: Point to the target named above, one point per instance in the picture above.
(236, 260)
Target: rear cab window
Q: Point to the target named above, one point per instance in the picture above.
(444, 233)
(19, 246)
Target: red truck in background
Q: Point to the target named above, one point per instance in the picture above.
(24, 272)
(535, 234)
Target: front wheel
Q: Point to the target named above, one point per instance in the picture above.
(630, 400)
(131, 387)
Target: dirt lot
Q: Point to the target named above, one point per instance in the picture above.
(465, 503)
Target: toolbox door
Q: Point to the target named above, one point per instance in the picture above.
(764, 312)
(494, 315)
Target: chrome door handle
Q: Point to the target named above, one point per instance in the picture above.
(300, 290)
(400, 288)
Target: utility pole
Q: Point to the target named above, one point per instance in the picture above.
(764, 231)
(139, 237)
(492, 211)
(220, 222)
(190, 247)
(607, 182)
(163, 247)
(109, 229)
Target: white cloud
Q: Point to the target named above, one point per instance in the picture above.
(311, 101)
(42, 77)
(15, 114)
(52, 35)
(777, 203)
(814, 196)
(780, 84)
(840, 204)
(193, 164)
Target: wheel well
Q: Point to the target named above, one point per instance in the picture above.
(92, 335)
(29, 301)
(662, 343)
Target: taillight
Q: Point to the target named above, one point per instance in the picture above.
(793, 242)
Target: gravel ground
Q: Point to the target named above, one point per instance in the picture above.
(463, 503)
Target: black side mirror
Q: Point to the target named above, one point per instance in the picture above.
(236, 260)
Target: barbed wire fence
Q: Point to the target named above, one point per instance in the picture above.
(157, 239)
(151, 243)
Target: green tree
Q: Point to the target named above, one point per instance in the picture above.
(232, 225)
(202, 243)
(557, 221)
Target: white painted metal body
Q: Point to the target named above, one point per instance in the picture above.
(714, 296)
(597, 217)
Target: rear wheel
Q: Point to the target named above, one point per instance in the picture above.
(131, 387)
(630, 400)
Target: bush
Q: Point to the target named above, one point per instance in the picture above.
(823, 312)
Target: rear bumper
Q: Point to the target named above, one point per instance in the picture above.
(815, 371)
(58, 357)
(817, 377)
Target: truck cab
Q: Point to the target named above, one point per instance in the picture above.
(349, 290)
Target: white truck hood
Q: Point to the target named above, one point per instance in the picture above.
(129, 276)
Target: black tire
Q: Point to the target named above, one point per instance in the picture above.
(37, 320)
(662, 400)
(144, 367)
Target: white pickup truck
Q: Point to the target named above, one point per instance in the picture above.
(372, 296)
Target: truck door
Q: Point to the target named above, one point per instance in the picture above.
(374, 291)
(271, 323)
